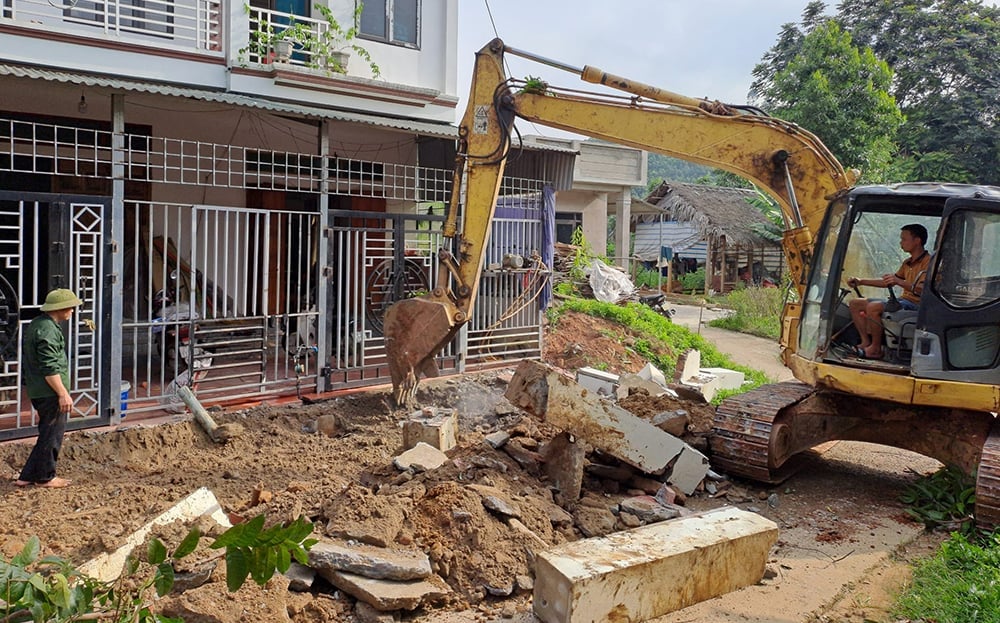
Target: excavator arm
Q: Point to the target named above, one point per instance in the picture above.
(787, 162)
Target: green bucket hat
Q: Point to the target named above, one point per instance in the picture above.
(60, 299)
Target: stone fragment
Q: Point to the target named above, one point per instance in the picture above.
(420, 458)
(528, 532)
(689, 470)
(594, 521)
(329, 424)
(649, 510)
(370, 561)
(367, 614)
(672, 422)
(387, 595)
(495, 501)
(300, 577)
(497, 439)
(524, 582)
(525, 458)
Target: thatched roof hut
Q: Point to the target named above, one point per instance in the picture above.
(727, 222)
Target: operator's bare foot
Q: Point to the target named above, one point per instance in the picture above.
(56, 483)
(873, 352)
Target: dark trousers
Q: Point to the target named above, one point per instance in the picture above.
(41, 465)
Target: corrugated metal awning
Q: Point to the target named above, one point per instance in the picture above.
(424, 128)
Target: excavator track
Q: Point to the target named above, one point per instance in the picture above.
(743, 428)
(988, 482)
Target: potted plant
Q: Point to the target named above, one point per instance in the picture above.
(323, 43)
(334, 44)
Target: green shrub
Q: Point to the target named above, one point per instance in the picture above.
(649, 278)
(756, 311)
(693, 282)
(665, 340)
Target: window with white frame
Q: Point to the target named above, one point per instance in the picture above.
(392, 21)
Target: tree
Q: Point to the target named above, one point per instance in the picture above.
(945, 55)
(841, 94)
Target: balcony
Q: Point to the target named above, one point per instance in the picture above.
(188, 25)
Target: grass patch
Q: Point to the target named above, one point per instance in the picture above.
(960, 583)
(663, 340)
(756, 311)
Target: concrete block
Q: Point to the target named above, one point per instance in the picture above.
(564, 460)
(437, 428)
(598, 381)
(705, 384)
(652, 373)
(646, 572)
(728, 379)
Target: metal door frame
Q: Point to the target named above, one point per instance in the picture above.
(82, 261)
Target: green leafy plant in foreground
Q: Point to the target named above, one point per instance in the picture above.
(50, 589)
(944, 499)
(961, 582)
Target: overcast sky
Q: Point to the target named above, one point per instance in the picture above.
(699, 48)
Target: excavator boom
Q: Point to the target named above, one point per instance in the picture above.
(787, 162)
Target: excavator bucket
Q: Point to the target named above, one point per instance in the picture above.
(415, 331)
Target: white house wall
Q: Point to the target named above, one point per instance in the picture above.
(593, 206)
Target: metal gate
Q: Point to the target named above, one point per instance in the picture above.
(218, 298)
(376, 259)
(55, 241)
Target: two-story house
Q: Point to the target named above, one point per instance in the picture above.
(236, 204)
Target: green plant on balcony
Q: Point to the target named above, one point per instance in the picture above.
(323, 45)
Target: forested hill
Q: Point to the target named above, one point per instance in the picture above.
(666, 168)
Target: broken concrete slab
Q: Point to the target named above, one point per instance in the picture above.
(728, 379)
(431, 425)
(108, 566)
(598, 381)
(421, 457)
(689, 470)
(627, 383)
(388, 595)
(621, 577)
(541, 391)
(373, 562)
(564, 459)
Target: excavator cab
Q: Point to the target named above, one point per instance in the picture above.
(955, 332)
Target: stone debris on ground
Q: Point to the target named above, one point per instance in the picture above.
(511, 487)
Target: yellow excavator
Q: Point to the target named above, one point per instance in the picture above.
(936, 391)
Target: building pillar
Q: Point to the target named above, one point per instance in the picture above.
(623, 238)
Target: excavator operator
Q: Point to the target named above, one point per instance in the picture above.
(867, 313)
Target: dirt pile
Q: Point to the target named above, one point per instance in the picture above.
(479, 518)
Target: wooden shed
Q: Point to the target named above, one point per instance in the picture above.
(723, 232)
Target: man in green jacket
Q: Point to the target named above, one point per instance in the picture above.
(45, 371)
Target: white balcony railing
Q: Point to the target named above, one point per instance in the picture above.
(187, 24)
(266, 28)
